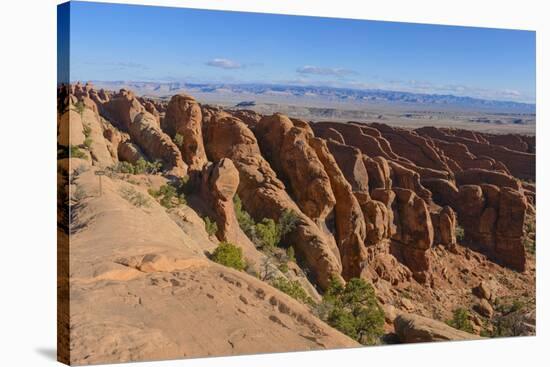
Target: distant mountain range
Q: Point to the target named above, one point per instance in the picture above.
(162, 89)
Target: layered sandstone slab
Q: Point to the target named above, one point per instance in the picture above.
(154, 292)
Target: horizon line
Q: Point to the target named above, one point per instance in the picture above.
(532, 104)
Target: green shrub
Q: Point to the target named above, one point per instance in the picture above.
(124, 167)
(168, 196)
(459, 233)
(287, 223)
(75, 152)
(461, 320)
(88, 143)
(143, 166)
(246, 222)
(178, 140)
(87, 131)
(506, 307)
(293, 288)
(343, 321)
(283, 268)
(229, 255)
(210, 226)
(136, 198)
(79, 194)
(266, 234)
(354, 310)
(79, 106)
(530, 245)
(270, 234)
(290, 254)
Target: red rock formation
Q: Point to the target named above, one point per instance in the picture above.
(520, 164)
(350, 161)
(387, 198)
(379, 172)
(296, 163)
(444, 223)
(184, 118)
(355, 136)
(408, 179)
(478, 176)
(129, 152)
(122, 109)
(150, 107)
(145, 132)
(416, 148)
(329, 133)
(350, 224)
(493, 222)
(218, 186)
(510, 141)
(415, 234)
(263, 194)
(444, 192)
(250, 118)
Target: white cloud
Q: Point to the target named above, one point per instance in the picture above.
(224, 64)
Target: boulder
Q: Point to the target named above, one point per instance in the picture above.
(418, 329)
(484, 308)
(483, 291)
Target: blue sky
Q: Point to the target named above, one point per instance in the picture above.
(143, 43)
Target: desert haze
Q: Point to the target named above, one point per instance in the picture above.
(322, 103)
(228, 223)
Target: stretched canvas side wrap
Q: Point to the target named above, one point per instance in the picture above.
(236, 183)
